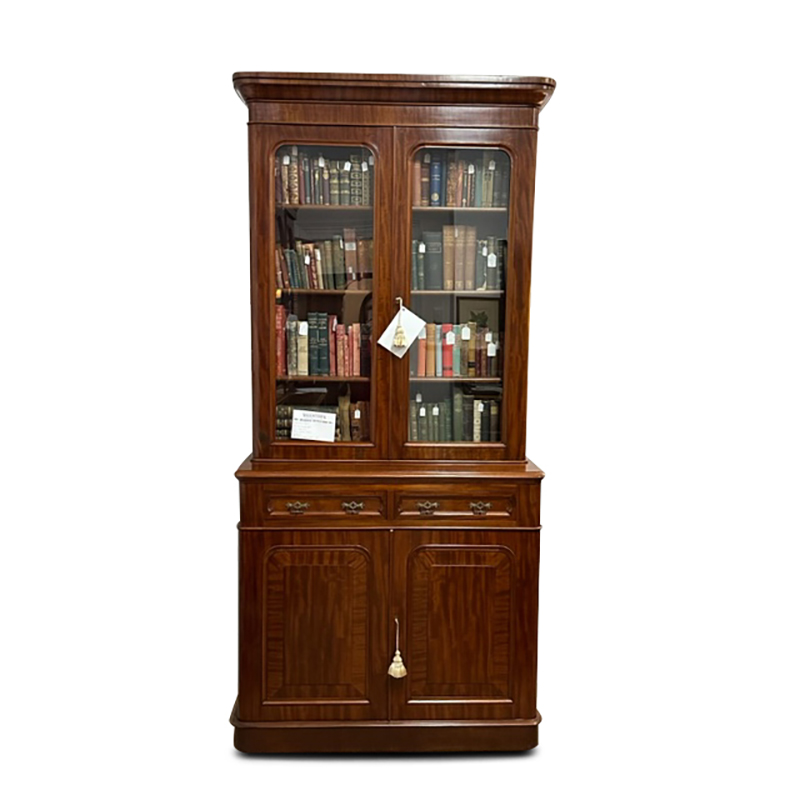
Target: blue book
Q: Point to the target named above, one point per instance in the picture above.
(436, 181)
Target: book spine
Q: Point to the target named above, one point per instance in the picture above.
(416, 181)
(366, 349)
(344, 184)
(421, 353)
(434, 260)
(324, 347)
(438, 351)
(491, 263)
(348, 352)
(436, 181)
(362, 252)
(469, 256)
(448, 420)
(451, 180)
(280, 338)
(350, 255)
(488, 179)
(485, 422)
(459, 183)
(413, 422)
(332, 364)
(494, 421)
(468, 410)
(291, 343)
(478, 185)
(433, 421)
(341, 364)
(278, 274)
(285, 181)
(344, 417)
(414, 282)
(460, 243)
(294, 178)
(473, 336)
(356, 342)
(458, 415)
(449, 233)
(313, 344)
(339, 272)
(497, 196)
(425, 180)
(302, 348)
(477, 408)
(430, 349)
(457, 351)
(448, 340)
(423, 423)
(333, 170)
(421, 266)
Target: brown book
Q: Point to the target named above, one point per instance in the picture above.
(416, 181)
(355, 346)
(430, 349)
(452, 179)
(470, 251)
(364, 267)
(473, 340)
(350, 255)
(461, 238)
(471, 185)
(285, 180)
(341, 340)
(294, 178)
(422, 353)
(463, 363)
(449, 256)
(425, 180)
(279, 282)
(344, 417)
(482, 365)
(332, 348)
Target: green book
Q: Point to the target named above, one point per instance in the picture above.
(339, 274)
(414, 281)
(447, 426)
(291, 344)
(458, 415)
(327, 264)
(423, 423)
(333, 180)
(324, 344)
(413, 422)
(313, 344)
(420, 266)
(434, 422)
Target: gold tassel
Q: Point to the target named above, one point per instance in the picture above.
(399, 333)
(397, 669)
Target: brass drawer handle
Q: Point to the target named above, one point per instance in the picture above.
(427, 507)
(297, 507)
(480, 508)
(353, 507)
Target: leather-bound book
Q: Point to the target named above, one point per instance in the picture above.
(425, 180)
(278, 273)
(324, 345)
(477, 410)
(344, 183)
(447, 427)
(320, 264)
(315, 343)
(449, 256)
(434, 261)
(447, 350)
(294, 178)
(414, 282)
(457, 351)
(483, 367)
(481, 251)
(494, 421)
(356, 181)
(478, 184)
(333, 171)
(365, 423)
(326, 186)
(485, 422)
(291, 344)
(491, 358)
(280, 338)
(491, 264)
(460, 259)
(430, 349)
(471, 185)
(413, 427)
(316, 174)
(348, 352)
(302, 348)
(433, 422)
(421, 266)
(473, 341)
(488, 179)
(332, 362)
(341, 339)
(502, 261)
(421, 353)
(451, 179)
(350, 255)
(423, 423)
(306, 184)
(469, 256)
(416, 181)
(464, 360)
(436, 180)
(459, 182)
(355, 344)
(286, 196)
(364, 267)
(339, 271)
(438, 362)
(327, 265)
(344, 417)
(366, 348)
(468, 412)
(499, 177)
(458, 415)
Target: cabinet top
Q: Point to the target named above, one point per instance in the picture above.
(346, 87)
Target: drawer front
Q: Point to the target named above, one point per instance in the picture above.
(296, 505)
(493, 507)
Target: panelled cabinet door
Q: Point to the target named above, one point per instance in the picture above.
(467, 604)
(321, 244)
(463, 250)
(314, 626)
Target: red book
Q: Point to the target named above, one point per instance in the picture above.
(348, 352)
(355, 341)
(280, 338)
(341, 346)
(421, 354)
(332, 345)
(447, 350)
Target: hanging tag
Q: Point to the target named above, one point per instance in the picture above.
(485, 251)
(491, 165)
(371, 160)
(427, 158)
(435, 411)
(287, 160)
(480, 407)
(347, 166)
(294, 150)
(364, 166)
(303, 329)
(321, 161)
(450, 338)
(471, 169)
(401, 332)
(465, 331)
(488, 336)
(357, 414)
(422, 411)
(307, 258)
(422, 247)
(419, 397)
(491, 350)
(492, 261)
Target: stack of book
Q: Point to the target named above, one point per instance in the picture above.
(466, 179)
(352, 419)
(330, 264)
(305, 178)
(462, 418)
(456, 351)
(454, 259)
(321, 345)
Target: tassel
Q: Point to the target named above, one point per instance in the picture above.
(397, 669)
(399, 333)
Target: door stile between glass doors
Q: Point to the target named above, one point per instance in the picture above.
(464, 251)
(322, 244)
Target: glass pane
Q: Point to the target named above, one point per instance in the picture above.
(324, 278)
(459, 254)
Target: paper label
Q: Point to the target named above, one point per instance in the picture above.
(450, 338)
(347, 166)
(492, 261)
(307, 258)
(470, 169)
(294, 150)
(427, 158)
(465, 332)
(371, 160)
(321, 161)
(491, 165)
(422, 247)
(364, 166)
(422, 411)
(357, 414)
(488, 336)
(435, 411)
(412, 325)
(491, 350)
(485, 251)
(480, 407)
(350, 246)
(423, 334)
(303, 328)
(316, 426)
(287, 160)
(419, 397)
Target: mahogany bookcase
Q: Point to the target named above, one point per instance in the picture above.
(388, 504)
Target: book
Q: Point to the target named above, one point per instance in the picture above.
(434, 261)
(494, 421)
(436, 181)
(438, 350)
(416, 181)
(350, 255)
(344, 417)
(421, 352)
(291, 344)
(294, 177)
(324, 345)
(313, 344)
(485, 422)
(460, 242)
(488, 180)
(339, 270)
(451, 179)
(425, 180)
(458, 415)
(421, 266)
(473, 336)
(341, 364)
(366, 347)
(332, 363)
(449, 257)
(457, 351)
(430, 349)
(491, 263)
(344, 183)
(470, 253)
(422, 421)
(467, 413)
(413, 426)
(302, 348)
(477, 410)
(333, 171)
(414, 247)
(280, 338)
(448, 340)
(356, 348)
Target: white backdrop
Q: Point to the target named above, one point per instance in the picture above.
(663, 391)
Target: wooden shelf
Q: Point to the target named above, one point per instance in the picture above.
(314, 207)
(322, 378)
(472, 209)
(456, 380)
(280, 292)
(459, 292)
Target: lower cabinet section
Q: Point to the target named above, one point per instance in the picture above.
(318, 631)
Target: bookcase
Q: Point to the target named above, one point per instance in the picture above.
(389, 518)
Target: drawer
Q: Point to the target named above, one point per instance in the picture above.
(498, 506)
(297, 505)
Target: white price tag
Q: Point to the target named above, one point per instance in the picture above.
(364, 166)
(427, 158)
(480, 407)
(485, 251)
(450, 338)
(491, 165)
(321, 161)
(287, 160)
(471, 169)
(491, 350)
(492, 260)
(421, 247)
(419, 397)
(422, 411)
(307, 259)
(303, 329)
(357, 414)
(314, 425)
(371, 160)
(435, 411)
(488, 336)
(294, 150)
(465, 332)
(347, 166)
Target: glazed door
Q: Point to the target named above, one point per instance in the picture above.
(463, 249)
(320, 294)
(467, 606)
(313, 625)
